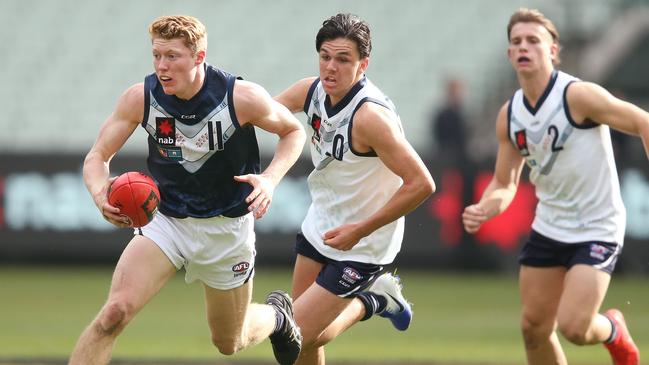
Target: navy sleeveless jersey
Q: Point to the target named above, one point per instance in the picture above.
(197, 146)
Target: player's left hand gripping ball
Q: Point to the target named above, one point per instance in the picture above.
(136, 195)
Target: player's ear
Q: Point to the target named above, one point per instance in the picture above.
(554, 51)
(200, 57)
(365, 62)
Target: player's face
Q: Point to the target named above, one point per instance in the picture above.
(176, 67)
(340, 67)
(531, 48)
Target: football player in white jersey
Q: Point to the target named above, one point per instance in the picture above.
(195, 228)
(558, 125)
(366, 177)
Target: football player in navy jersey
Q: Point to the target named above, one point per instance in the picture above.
(204, 157)
(559, 126)
(366, 177)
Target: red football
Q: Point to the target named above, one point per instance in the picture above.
(136, 195)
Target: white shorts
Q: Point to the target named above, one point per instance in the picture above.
(218, 251)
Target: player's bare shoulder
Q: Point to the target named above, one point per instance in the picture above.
(372, 116)
(251, 101)
(502, 122)
(588, 100)
(375, 125)
(130, 105)
(134, 94)
(503, 112)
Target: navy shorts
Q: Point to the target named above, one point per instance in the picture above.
(342, 278)
(542, 251)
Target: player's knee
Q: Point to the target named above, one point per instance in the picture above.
(574, 331)
(310, 339)
(535, 332)
(115, 316)
(576, 337)
(226, 346)
(309, 344)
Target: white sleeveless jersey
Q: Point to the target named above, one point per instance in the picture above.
(571, 166)
(347, 186)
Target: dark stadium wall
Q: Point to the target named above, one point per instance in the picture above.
(47, 216)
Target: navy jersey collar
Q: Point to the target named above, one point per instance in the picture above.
(548, 88)
(200, 91)
(333, 110)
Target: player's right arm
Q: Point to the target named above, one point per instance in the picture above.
(294, 97)
(502, 188)
(117, 128)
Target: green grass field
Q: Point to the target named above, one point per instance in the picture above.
(459, 319)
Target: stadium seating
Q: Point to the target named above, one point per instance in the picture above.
(66, 62)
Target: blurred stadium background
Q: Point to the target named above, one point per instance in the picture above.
(66, 62)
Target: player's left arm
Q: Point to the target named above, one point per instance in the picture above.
(255, 107)
(591, 101)
(374, 130)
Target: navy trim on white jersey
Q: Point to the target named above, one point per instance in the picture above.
(309, 95)
(509, 117)
(546, 92)
(337, 197)
(572, 168)
(333, 110)
(587, 123)
(371, 153)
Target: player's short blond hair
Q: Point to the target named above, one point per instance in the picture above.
(525, 15)
(190, 29)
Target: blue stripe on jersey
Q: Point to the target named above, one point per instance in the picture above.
(370, 153)
(309, 95)
(509, 118)
(587, 124)
(334, 109)
(210, 190)
(546, 92)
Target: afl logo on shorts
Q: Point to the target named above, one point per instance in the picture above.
(350, 275)
(599, 252)
(241, 267)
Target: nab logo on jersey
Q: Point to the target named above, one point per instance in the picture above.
(521, 142)
(165, 131)
(315, 124)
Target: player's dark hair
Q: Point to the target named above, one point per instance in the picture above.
(347, 26)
